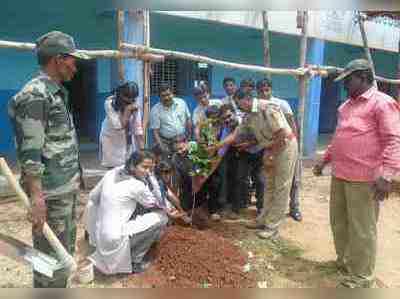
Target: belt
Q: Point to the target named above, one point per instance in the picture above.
(168, 140)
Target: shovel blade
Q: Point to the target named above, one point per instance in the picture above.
(22, 252)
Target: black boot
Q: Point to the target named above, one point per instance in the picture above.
(296, 215)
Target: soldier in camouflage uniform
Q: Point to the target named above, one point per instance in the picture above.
(271, 130)
(47, 147)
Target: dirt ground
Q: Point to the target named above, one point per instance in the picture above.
(301, 257)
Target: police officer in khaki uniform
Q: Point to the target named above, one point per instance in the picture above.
(267, 122)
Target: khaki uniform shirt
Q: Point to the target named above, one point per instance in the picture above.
(264, 120)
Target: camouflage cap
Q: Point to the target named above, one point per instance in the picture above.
(56, 42)
(352, 66)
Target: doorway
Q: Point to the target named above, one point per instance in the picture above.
(82, 94)
(330, 101)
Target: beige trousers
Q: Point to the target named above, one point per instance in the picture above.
(279, 178)
(354, 216)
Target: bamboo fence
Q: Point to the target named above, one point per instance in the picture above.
(361, 20)
(120, 37)
(146, 74)
(149, 54)
(303, 84)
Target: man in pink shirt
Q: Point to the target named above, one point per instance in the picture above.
(365, 155)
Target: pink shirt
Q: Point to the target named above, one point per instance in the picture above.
(366, 143)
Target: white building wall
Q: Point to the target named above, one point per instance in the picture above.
(337, 26)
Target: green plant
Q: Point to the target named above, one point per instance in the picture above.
(199, 157)
(198, 152)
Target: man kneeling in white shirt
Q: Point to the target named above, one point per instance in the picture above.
(125, 215)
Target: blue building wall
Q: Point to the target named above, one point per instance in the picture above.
(94, 30)
(90, 29)
(231, 43)
(333, 94)
(244, 45)
(312, 105)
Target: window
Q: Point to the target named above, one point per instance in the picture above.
(181, 74)
(163, 72)
(202, 73)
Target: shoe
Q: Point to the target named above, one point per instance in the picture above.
(255, 225)
(342, 285)
(267, 233)
(140, 267)
(225, 213)
(349, 282)
(233, 216)
(215, 217)
(86, 235)
(342, 269)
(296, 216)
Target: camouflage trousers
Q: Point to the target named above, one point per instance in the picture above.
(61, 217)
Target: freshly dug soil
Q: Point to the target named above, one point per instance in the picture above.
(193, 258)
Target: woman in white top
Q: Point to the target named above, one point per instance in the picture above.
(121, 131)
(125, 215)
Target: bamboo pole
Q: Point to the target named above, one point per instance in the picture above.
(323, 71)
(302, 84)
(17, 45)
(303, 81)
(367, 51)
(155, 55)
(146, 74)
(120, 36)
(212, 61)
(266, 40)
(113, 54)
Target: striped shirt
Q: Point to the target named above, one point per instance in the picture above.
(366, 143)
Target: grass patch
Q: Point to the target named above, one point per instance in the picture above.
(285, 248)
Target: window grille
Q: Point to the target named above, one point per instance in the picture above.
(163, 72)
(181, 75)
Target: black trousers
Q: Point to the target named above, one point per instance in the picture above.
(249, 164)
(258, 177)
(294, 203)
(209, 193)
(228, 171)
